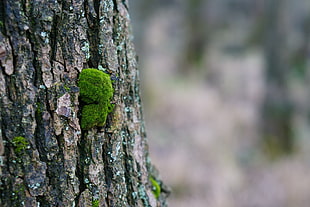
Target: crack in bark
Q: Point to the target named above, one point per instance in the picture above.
(53, 38)
(93, 32)
(80, 168)
(107, 172)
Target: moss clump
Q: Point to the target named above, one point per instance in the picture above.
(95, 203)
(96, 92)
(155, 187)
(20, 144)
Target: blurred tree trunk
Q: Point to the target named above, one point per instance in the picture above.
(277, 107)
(196, 36)
(300, 58)
(46, 159)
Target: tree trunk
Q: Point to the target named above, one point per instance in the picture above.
(277, 106)
(46, 158)
(196, 36)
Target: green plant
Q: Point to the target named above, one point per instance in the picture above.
(20, 144)
(155, 187)
(96, 92)
(95, 203)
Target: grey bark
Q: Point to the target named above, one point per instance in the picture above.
(44, 45)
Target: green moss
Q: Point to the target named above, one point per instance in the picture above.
(20, 144)
(39, 108)
(95, 203)
(156, 187)
(93, 115)
(67, 88)
(96, 92)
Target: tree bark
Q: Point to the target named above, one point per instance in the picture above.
(46, 158)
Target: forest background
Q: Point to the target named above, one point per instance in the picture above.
(226, 99)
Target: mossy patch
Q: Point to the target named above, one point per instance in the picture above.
(96, 92)
(95, 203)
(20, 144)
(155, 187)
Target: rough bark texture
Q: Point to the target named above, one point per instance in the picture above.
(46, 158)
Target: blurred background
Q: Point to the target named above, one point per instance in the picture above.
(226, 99)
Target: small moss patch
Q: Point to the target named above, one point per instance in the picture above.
(96, 92)
(20, 144)
(95, 203)
(155, 187)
